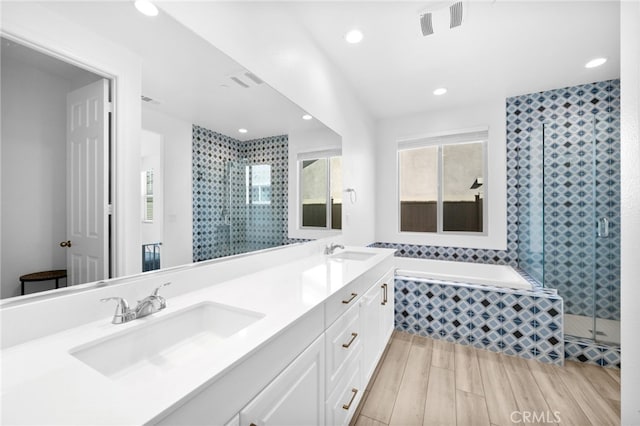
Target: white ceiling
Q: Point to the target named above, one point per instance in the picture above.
(188, 75)
(502, 49)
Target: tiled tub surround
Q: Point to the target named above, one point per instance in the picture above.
(223, 224)
(524, 323)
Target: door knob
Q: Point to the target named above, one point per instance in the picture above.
(65, 244)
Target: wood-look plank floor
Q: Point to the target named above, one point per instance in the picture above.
(421, 381)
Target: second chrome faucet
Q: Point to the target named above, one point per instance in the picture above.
(147, 306)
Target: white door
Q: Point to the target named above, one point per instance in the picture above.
(87, 183)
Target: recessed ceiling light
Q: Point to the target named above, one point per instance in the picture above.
(440, 91)
(243, 130)
(354, 36)
(146, 7)
(307, 117)
(595, 62)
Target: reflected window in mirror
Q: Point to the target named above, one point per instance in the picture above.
(258, 184)
(441, 183)
(321, 190)
(147, 196)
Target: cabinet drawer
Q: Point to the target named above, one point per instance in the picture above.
(342, 403)
(343, 343)
(349, 295)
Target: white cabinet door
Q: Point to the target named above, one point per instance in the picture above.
(387, 305)
(370, 310)
(295, 397)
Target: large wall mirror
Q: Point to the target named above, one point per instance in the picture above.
(219, 149)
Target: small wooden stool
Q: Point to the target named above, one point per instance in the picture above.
(43, 276)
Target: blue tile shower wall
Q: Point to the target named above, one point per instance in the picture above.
(223, 224)
(560, 126)
(528, 324)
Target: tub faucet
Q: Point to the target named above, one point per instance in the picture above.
(332, 247)
(147, 306)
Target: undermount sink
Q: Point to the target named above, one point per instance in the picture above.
(149, 350)
(352, 255)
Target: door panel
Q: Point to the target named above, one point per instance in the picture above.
(87, 183)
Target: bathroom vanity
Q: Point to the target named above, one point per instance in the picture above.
(292, 343)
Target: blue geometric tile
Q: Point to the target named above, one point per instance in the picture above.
(590, 352)
(496, 319)
(223, 223)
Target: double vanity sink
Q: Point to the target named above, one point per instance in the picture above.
(144, 369)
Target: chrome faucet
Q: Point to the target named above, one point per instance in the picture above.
(147, 306)
(332, 247)
(151, 304)
(123, 312)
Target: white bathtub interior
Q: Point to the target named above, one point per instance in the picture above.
(464, 272)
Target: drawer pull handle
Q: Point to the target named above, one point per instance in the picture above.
(353, 296)
(353, 337)
(347, 406)
(384, 294)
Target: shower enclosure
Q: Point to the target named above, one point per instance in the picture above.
(569, 221)
(247, 215)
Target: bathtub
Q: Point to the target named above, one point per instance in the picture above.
(462, 272)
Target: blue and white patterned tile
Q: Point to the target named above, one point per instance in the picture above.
(590, 352)
(253, 227)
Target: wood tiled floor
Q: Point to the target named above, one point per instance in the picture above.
(422, 381)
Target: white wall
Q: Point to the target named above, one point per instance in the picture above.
(299, 142)
(39, 27)
(630, 244)
(281, 52)
(177, 248)
(34, 136)
(390, 131)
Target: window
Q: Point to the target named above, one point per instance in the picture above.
(321, 190)
(441, 183)
(147, 196)
(258, 184)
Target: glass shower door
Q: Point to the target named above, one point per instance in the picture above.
(581, 223)
(236, 219)
(569, 219)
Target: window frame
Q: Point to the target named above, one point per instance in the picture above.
(316, 155)
(249, 199)
(480, 135)
(148, 196)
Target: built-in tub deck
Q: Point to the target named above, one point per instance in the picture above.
(493, 307)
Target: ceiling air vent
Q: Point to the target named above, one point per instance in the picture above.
(426, 22)
(149, 100)
(245, 79)
(455, 15)
(253, 77)
(240, 82)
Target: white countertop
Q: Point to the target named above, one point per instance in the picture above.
(42, 383)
